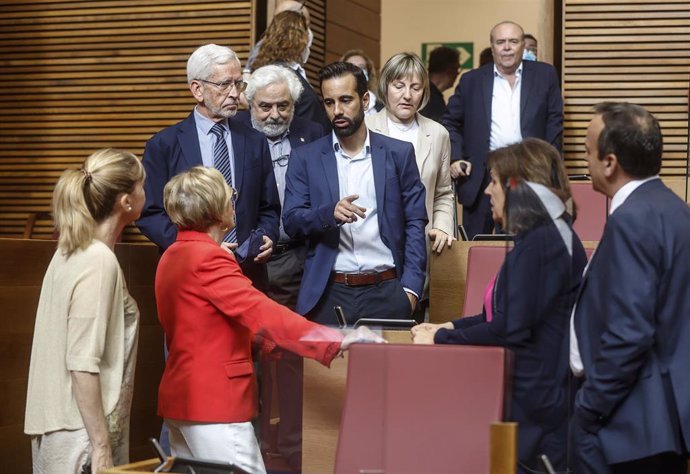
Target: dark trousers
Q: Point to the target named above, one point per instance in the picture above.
(284, 277)
(385, 300)
(588, 457)
(664, 463)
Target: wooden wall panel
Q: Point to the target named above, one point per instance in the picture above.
(627, 50)
(25, 262)
(80, 75)
(354, 24)
(76, 76)
(317, 57)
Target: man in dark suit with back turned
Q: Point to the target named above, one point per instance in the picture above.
(632, 317)
(496, 105)
(358, 199)
(210, 137)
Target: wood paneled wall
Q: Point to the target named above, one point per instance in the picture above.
(627, 50)
(317, 12)
(76, 76)
(79, 75)
(24, 263)
(354, 24)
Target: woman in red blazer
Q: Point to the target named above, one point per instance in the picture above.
(211, 313)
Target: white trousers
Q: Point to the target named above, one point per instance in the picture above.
(233, 443)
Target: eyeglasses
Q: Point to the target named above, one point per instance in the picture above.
(225, 86)
(281, 161)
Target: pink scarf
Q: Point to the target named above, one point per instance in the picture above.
(488, 300)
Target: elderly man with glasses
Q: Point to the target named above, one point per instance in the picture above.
(212, 137)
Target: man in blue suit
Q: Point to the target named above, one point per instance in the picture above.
(632, 317)
(214, 76)
(358, 199)
(493, 106)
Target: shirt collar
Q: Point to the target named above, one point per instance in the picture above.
(205, 124)
(366, 149)
(299, 70)
(626, 190)
(518, 71)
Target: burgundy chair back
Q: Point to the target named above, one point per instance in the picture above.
(413, 409)
(592, 208)
(483, 262)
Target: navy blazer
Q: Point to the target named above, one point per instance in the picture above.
(312, 193)
(176, 149)
(309, 105)
(632, 322)
(532, 300)
(302, 131)
(468, 118)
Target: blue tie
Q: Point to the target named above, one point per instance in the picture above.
(221, 161)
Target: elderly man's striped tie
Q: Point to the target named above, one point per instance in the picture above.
(221, 161)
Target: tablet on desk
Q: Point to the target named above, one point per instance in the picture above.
(494, 237)
(386, 323)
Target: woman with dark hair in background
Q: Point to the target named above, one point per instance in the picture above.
(84, 348)
(287, 42)
(527, 305)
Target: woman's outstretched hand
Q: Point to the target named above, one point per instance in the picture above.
(361, 334)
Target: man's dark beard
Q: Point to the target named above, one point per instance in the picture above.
(352, 127)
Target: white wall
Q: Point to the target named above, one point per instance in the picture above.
(406, 24)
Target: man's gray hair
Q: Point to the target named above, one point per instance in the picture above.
(202, 61)
(272, 74)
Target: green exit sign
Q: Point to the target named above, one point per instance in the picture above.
(466, 52)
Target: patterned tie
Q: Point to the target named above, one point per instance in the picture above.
(221, 161)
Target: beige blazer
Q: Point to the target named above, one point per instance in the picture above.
(432, 152)
(433, 161)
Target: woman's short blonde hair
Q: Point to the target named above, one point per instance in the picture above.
(198, 198)
(400, 66)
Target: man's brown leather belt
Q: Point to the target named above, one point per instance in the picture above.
(360, 279)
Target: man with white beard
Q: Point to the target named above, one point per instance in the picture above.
(272, 92)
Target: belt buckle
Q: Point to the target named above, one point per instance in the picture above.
(346, 275)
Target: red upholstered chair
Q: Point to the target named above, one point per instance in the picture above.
(483, 262)
(422, 409)
(592, 210)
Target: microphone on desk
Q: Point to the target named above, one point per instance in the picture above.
(547, 464)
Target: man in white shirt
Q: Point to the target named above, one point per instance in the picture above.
(358, 199)
(496, 105)
(632, 317)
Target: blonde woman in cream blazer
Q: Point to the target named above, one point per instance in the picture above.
(404, 89)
